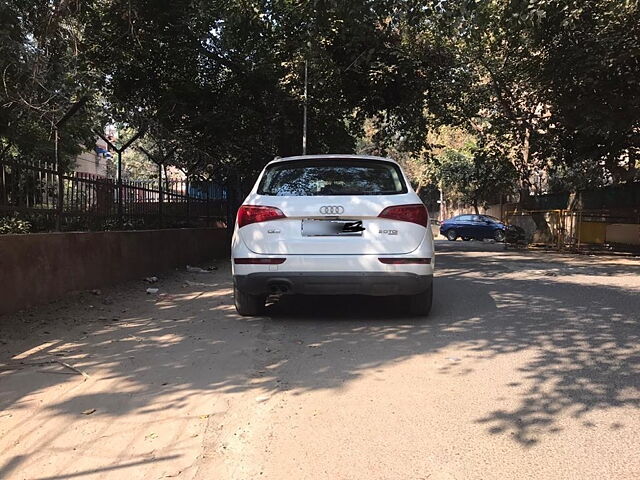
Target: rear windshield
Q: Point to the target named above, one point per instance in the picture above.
(332, 177)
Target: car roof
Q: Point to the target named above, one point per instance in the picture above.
(330, 156)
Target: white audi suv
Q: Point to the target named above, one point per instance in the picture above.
(334, 225)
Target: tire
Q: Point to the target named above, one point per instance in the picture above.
(451, 235)
(499, 236)
(466, 239)
(248, 305)
(420, 304)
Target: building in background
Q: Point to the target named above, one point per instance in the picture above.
(99, 160)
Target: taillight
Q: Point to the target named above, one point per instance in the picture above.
(248, 214)
(414, 213)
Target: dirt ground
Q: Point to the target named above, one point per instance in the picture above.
(528, 367)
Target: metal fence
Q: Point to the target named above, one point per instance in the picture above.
(36, 191)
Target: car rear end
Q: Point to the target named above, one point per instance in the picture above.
(332, 225)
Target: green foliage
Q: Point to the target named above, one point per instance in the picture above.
(553, 82)
(43, 73)
(476, 178)
(552, 85)
(455, 173)
(577, 176)
(226, 78)
(13, 225)
(592, 67)
(135, 163)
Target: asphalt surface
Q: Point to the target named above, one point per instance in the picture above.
(528, 367)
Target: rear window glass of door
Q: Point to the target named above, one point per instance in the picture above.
(332, 177)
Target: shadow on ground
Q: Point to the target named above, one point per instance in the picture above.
(585, 340)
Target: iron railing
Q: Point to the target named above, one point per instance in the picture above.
(38, 192)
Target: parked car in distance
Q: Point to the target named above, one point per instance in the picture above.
(479, 227)
(335, 225)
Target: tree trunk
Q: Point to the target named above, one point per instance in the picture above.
(524, 171)
(475, 206)
(526, 151)
(633, 163)
(523, 192)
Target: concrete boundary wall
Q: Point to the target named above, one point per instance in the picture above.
(41, 267)
(627, 234)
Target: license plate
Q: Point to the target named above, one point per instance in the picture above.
(332, 228)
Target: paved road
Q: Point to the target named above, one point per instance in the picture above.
(529, 367)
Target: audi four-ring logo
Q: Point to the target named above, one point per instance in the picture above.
(332, 210)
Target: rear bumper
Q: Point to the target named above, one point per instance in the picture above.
(332, 283)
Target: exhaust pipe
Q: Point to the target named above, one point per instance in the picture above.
(279, 288)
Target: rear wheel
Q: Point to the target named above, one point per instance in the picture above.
(498, 236)
(248, 305)
(452, 235)
(420, 304)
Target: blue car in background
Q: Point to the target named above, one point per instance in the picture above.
(479, 227)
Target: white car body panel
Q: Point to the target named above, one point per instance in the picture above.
(382, 237)
(284, 236)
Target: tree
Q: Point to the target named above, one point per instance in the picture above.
(554, 83)
(474, 179)
(502, 102)
(591, 71)
(550, 84)
(227, 77)
(43, 74)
